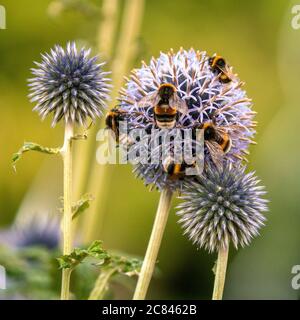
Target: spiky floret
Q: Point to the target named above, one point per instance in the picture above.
(69, 84)
(207, 99)
(37, 229)
(222, 206)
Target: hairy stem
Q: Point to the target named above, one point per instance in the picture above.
(101, 284)
(220, 274)
(125, 52)
(153, 245)
(66, 153)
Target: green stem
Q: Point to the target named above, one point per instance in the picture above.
(66, 153)
(220, 274)
(125, 51)
(108, 27)
(153, 245)
(84, 153)
(101, 284)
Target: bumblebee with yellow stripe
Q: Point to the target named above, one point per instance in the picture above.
(113, 117)
(220, 66)
(176, 170)
(166, 105)
(217, 141)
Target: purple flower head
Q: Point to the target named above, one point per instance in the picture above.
(208, 100)
(69, 84)
(38, 229)
(222, 206)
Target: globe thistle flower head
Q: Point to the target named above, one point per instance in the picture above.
(208, 100)
(40, 229)
(69, 84)
(222, 206)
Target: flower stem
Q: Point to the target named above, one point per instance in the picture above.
(101, 284)
(154, 244)
(84, 153)
(220, 274)
(66, 153)
(126, 48)
(108, 27)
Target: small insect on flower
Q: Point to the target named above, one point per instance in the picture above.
(166, 104)
(217, 141)
(176, 170)
(220, 66)
(113, 119)
(70, 85)
(222, 206)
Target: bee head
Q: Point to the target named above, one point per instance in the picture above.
(209, 131)
(220, 62)
(166, 91)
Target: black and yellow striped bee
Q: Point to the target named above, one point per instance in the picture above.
(217, 141)
(166, 105)
(220, 66)
(176, 170)
(113, 117)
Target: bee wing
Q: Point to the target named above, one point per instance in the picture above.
(179, 104)
(222, 130)
(215, 152)
(226, 71)
(151, 99)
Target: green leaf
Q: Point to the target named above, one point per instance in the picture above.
(78, 255)
(31, 146)
(81, 205)
(128, 266)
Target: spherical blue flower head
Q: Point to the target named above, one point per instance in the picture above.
(222, 206)
(208, 100)
(70, 85)
(41, 230)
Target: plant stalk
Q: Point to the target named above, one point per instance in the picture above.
(66, 153)
(108, 27)
(159, 225)
(101, 284)
(125, 52)
(220, 274)
(84, 153)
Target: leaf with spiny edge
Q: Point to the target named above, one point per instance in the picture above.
(78, 255)
(128, 266)
(81, 205)
(32, 146)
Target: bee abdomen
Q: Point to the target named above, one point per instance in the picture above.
(165, 117)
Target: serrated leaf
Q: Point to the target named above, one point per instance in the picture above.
(77, 256)
(82, 204)
(124, 265)
(32, 146)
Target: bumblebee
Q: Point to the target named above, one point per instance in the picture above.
(219, 66)
(166, 104)
(113, 117)
(175, 170)
(217, 141)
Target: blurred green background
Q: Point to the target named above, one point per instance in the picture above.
(256, 37)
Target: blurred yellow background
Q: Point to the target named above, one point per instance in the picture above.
(256, 37)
